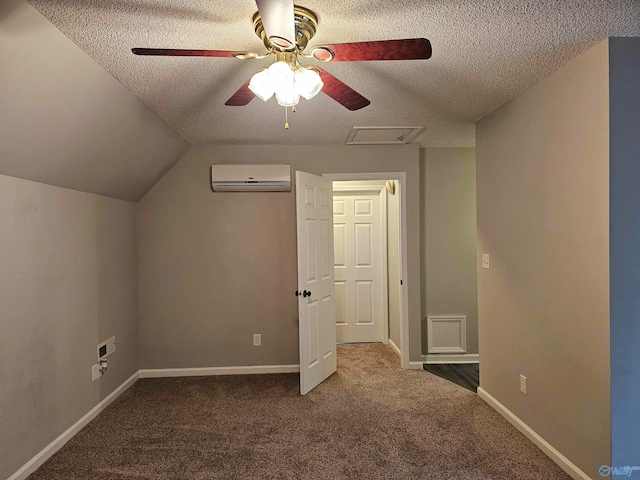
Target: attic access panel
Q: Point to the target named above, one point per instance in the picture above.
(383, 135)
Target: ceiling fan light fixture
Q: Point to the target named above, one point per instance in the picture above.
(281, 73)
(262, 85)
(307, 82)
(287, 97)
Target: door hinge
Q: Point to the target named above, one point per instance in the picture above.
(401, 282)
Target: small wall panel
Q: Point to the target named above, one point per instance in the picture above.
(446, 334)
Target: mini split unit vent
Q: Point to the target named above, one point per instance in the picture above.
(251, 178)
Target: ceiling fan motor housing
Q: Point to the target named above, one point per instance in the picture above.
(306, 24)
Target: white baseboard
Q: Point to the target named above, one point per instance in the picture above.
(206, 371)
(395, 347)
(562, 461)
(445, 358)
(416, 366)
(44, 454)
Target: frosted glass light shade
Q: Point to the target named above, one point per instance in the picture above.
(287, 97)
(287, 85)
(262, 85)
(280, 73)
(282, 78)
(308, 83)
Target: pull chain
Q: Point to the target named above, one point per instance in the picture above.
(286, 118)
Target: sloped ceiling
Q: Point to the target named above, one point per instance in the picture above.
(485, 53)
(65, 121)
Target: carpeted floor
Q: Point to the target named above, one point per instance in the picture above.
(370, 420)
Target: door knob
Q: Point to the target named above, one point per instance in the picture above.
(306, 293)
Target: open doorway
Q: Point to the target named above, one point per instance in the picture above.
(360, 231)
(370, 259)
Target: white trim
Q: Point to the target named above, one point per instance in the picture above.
(385, 264)
(416, 366)
(46, 453)
(208, 371)
(401, 177)
(438, 358)
(372, 187)
(562, 461)
(395, 347)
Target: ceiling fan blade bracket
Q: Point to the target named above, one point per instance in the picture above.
(322, 54)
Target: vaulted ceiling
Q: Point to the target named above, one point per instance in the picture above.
(77, 107)
(484, 54)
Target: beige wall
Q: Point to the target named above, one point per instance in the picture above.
(214, 268)
(65, 121)
(67, 282)
(542, 184)
(448, 225)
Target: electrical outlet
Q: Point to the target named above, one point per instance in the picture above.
(257, 339)
(523, 384)
(485, 261)
(95, 372)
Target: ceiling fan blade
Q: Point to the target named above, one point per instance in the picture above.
(409, 49)
(341, 92)
(278, 21)
(242, 97)
(174, 52)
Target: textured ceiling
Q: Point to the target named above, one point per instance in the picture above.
(484, 54)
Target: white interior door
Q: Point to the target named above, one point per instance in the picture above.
(316, 305)
(359, 267)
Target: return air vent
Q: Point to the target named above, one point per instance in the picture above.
(382, 135)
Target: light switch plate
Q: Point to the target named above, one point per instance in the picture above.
(523, 384)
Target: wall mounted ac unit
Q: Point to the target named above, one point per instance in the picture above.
(250, 178)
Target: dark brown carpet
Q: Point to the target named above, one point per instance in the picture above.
(371, 420)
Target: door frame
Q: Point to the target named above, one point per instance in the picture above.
(381, 190)
(401, 178)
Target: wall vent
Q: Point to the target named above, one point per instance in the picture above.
(446, 334)
(382, 135)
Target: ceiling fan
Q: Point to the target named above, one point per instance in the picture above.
(285, 30)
